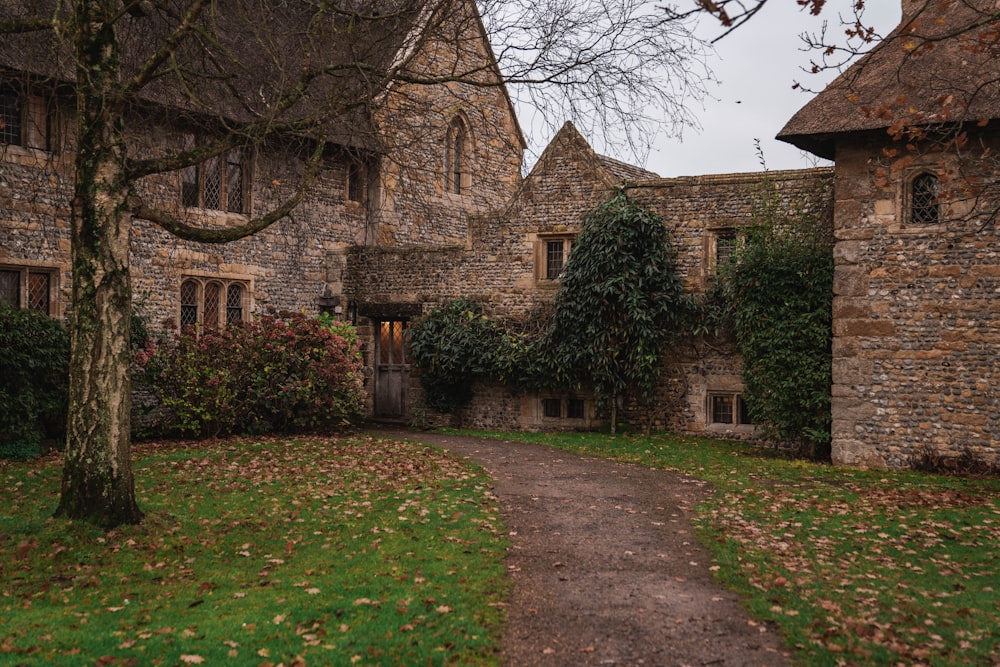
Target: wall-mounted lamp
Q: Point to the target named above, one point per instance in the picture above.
(352, 312)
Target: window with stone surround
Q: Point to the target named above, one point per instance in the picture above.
(356, 185)
(727, 408)
(28, 287)
(457, 176)
(24, 119)
(220, 183)
(553, 408)
(551, 255)
(924, 208)
(720, 248)
(211, 303)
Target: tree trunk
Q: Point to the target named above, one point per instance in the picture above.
(614, 413)
(97, 482)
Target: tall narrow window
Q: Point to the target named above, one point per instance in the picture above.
(212, 183)
(455, 157)
(38, 291)
(219, 183)
(234, 181)
(551, 254)
(355, 182)
(924, 209)
(11, 117)
(234, 304)
(554, 258)
(213, 297)
(189, 303)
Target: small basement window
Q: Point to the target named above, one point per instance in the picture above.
(728, 408)
(552, 408)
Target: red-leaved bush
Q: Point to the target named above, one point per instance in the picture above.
(271, 375)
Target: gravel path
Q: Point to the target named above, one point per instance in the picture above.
(605, 564)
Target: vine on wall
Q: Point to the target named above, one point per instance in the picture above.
(621, 301)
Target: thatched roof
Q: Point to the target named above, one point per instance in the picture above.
(246, 55)
(940, 65)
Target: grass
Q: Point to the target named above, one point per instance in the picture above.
(264, 552)
(855, 567)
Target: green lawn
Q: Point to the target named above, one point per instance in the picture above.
(264, 552)
(856, 567)
(353, 550)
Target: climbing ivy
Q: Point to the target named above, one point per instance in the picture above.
(779, 296)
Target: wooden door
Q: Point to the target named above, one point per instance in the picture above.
(392, 370)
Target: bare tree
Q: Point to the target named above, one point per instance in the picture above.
(161, 87)
(941, 64)
(624, 70)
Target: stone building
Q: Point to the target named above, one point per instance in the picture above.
(426, 203)
(913, 130)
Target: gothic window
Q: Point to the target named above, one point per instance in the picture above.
(211, 304)
(24, 119)
(924, 209)
(456, 157)
(219, 183)
(27, 288)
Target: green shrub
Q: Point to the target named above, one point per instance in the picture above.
(781, 291)
(620, 301)
(273, 375)
(34, 381)
(453, 346)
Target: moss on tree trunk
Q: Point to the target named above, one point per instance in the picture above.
(97, 482)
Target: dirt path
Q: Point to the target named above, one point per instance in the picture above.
(605, 564)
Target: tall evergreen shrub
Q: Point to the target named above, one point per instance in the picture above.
(780, 288)
(620, 301)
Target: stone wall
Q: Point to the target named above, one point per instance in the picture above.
(916, 316)
(499, 269)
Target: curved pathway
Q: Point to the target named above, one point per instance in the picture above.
(605, 564)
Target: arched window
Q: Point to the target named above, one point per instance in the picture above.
(212, 304)
(924, 208)
(189, 303)
(456, 156)
(234, 303)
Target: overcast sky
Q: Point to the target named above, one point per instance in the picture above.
(756, 66)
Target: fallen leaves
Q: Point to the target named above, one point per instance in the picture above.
(868, 567)
(253, 552)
